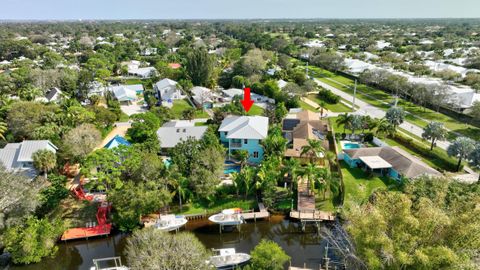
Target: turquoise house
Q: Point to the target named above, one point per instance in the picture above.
(387, 161)
(244, 133)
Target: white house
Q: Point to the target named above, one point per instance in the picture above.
(203, 97)
(144, 72)
(167, 90)
(17, 157)
(229, 94)
(126, 93)
(281, 83)
(53, 95)
(174, 132)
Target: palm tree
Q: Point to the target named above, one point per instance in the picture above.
(242, 156)
(292, 167)
(182, 190)
(356, 122)
(345, 120)
(3, 129)
(321, 106)
(434, 131)
(310, 172)
(396, 116)
(44, 160)
(384, 128)
(475, 158)
(248, 179)
(313, 149)
(461, 148)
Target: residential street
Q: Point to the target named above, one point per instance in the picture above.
(367, 109)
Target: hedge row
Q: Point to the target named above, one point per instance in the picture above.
(437, 156)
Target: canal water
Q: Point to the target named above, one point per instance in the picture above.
(303, 247)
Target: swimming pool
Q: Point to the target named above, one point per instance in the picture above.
(351, 145)
(230, 167)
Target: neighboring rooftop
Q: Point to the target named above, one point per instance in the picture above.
(172, 133)
(404, 163)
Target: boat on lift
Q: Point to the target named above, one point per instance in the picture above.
(111, 263)
(228, 217)
(170, 223)
(228, 258)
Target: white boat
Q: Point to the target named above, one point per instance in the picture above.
(228, 217)
(228, 258)
(170, 222)
(112, 263)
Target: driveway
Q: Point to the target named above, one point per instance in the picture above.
(133, 109)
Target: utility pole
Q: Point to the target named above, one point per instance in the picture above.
(354, 95)
(307, 70)
(327, 259)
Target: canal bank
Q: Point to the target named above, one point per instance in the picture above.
(303, 247)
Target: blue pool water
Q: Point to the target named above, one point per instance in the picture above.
(351, 146)
(231, 169)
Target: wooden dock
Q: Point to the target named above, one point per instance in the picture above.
(261, 214)
(306, 211)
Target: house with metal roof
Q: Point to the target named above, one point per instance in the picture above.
(126, 93)
(142, 72)
(174, 132)
(245, 133)
(390, 161)
(17, 157)
(203, 97)
(116, 142)
(53, 95)
(167, 90)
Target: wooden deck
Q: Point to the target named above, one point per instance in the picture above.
(263, 213)
(312, 215)
(306, 211)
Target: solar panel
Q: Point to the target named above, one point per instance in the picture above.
(317, 133)
(290, 124)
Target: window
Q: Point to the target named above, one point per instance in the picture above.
(226, 134)
(184, 130)
(245, 141)
(255, 154)
(178, 130)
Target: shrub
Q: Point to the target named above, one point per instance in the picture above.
(328, 96)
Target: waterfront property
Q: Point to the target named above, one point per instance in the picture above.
(173, 132)
(19, 156)
(244, 133)
(388, 161)
(300, 128)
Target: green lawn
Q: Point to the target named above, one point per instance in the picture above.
(377, 97)
(306, 106)
(181, 105)
(255, 110)
(230, 201)
(358, 185)
(339, 107)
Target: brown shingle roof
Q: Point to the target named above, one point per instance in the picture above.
(404, 163)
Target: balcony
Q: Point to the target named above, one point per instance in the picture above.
(235, 145)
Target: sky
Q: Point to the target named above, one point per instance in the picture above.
(234, 9)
